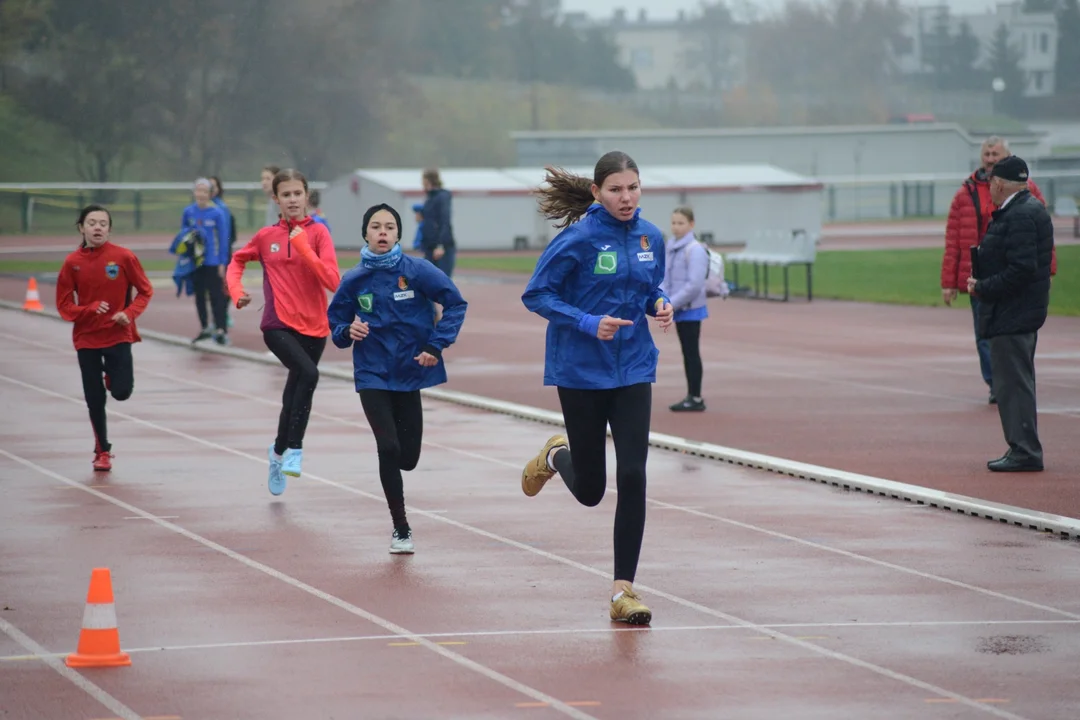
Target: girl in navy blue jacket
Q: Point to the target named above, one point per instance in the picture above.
(595, 283)
(383, 308)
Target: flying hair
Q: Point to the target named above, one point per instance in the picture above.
(566, 196)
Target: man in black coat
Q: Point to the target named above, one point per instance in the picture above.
(1011, 269)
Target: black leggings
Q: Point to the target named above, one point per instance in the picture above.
(300, 354)
(583, 468)
(689, 338)
(397, 421)
(207, 280)
(115, 362)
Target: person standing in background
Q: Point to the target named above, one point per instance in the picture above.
(437, 235)
(273, 212)
(1011, 279)
(202, 239)
(684, 282)
(969, 216)
(314, 211)
(217, 194)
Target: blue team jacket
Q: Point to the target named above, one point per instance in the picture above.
(599, 266)
(396, 305)
(213, 223)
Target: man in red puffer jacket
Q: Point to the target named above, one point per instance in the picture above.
(969, 216)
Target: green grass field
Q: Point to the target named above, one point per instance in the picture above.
(898, 277)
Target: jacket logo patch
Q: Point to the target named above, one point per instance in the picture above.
(645, 257)
(366, 302)
(405, 295)
(606, 262)
(402, 283)
(645, 242)
(274, 247)
(112, 270)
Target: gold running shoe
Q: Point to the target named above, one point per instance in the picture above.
(537, 471)
(629, 609)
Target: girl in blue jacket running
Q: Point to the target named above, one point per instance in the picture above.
(595, 283)
(383, 308)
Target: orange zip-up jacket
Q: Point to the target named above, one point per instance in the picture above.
(92, 275)
(296, 275)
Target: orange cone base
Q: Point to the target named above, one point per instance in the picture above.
(116, 660)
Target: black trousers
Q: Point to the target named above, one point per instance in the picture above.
(397, 421)
(300, 354)
(689, 339)
(583, 468)
(116, 362)
(208, 282)
(1013, 360)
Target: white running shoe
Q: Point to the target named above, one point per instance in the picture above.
(401, 544)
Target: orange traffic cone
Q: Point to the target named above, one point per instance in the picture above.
(33, 299)
(99, 641)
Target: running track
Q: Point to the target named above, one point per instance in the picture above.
(886, 391)
(772, 598)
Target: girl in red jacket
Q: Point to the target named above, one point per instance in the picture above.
(94, 292)
(299, 265)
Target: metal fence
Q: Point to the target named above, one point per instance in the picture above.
(885, 197)
(49, 208)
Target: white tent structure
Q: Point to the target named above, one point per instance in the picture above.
(496, 209)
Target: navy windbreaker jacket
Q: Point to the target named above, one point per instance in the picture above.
(599, 266)
(396, 305)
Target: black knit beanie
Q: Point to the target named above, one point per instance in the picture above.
(376, 208)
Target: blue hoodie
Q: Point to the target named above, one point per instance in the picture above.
(395, 302)
(213, 225)
(599, 266)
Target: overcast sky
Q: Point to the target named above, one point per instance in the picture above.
(661, 9)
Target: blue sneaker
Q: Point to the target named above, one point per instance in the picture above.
(291, 461)
(276, 483)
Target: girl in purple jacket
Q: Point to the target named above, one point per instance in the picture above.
(684, 284)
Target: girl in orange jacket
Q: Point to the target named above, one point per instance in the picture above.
(299, 266)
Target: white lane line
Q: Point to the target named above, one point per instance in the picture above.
(159, 517)
(571, 632)
(825, 652)
(28, 643)
(398, 630)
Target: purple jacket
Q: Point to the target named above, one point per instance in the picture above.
(687, 265)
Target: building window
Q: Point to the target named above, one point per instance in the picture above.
(1037, 78)
(1044, 43)
(641, 58)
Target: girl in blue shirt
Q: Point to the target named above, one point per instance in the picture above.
(383, 308)
(596, 283)
(204, 237)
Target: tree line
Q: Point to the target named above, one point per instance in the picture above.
(321, 84)
(203, 82)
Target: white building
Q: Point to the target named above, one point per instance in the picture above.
(496, 209)
(1033, 35)
(874, 171)
(687, 53)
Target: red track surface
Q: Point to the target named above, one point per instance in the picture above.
(887, 391)
(236, 604)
